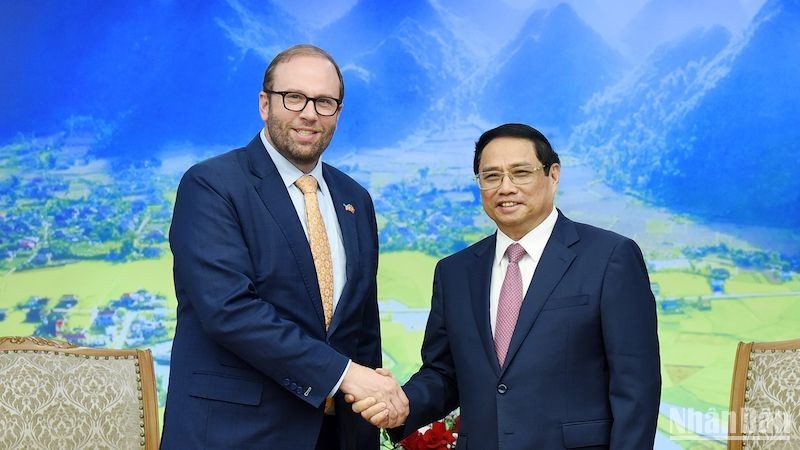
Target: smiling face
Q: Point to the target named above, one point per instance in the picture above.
(301, 136)
(517, 209)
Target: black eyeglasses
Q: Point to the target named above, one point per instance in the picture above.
(295, 101)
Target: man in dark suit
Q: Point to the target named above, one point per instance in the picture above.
(543, 333)
(275, 274)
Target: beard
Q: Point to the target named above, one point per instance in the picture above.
(303, 153)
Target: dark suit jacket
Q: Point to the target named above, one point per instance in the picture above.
(251, 361)
(582, 370)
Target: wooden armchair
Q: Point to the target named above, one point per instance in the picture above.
(56, 395)
(765, 396)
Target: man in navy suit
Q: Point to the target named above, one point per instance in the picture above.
(543, 333)
(269, 332)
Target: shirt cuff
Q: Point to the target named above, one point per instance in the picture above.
(341, 378)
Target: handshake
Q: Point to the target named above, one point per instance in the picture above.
(376, 395)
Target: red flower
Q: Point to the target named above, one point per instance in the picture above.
(437, 437)
(412, 441)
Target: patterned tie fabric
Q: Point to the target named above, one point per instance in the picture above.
(509, 303)
(318, 238)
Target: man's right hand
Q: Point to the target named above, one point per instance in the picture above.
(377, 393)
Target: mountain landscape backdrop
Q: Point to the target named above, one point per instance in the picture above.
(675, 120)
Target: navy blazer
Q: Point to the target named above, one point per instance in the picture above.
(582, 369)
(251, 360)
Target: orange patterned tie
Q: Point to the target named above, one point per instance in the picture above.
(318, 238)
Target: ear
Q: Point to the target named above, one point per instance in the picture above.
(263, 105)
(555, 173)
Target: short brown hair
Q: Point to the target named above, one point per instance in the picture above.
(300, 50)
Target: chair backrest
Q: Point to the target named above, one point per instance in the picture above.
(765, 396)
(56, 395)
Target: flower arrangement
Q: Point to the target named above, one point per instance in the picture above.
(440, 435)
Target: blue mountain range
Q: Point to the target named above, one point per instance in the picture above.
(744, 130)
(152, 74)
(711, 113)
(548, 72)
(397, 62)
(706, 125)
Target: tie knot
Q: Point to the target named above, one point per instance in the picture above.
(307, 184)
(515, 252)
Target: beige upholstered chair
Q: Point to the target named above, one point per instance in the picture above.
(54, 395)
(765, 396)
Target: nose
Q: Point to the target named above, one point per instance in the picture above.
(506, 186)
(309, 111)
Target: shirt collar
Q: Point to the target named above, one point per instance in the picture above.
(533, 242)
(289, 172)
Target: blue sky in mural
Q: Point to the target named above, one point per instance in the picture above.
(676, 121)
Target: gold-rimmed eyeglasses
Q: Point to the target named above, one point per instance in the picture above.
(492, 179)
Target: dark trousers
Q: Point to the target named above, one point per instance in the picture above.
(329, 434)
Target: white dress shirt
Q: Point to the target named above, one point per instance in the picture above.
(533, 243)
(289, 174)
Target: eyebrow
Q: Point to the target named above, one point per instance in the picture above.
(512, 166)
(301, 91)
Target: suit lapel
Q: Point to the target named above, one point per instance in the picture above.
(347, 223)
(479, 274)
(276, 199)
(555, 260)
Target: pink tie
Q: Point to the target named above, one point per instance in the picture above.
(509, 302)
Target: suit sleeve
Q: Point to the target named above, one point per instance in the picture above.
(631, 343)
(433, 391)
(214, 272)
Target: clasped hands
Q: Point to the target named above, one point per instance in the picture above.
(376, 395)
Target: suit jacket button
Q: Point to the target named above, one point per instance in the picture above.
(286, 381)
(293, 386)
(502, 388)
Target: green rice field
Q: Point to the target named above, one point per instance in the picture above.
(697, 345)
